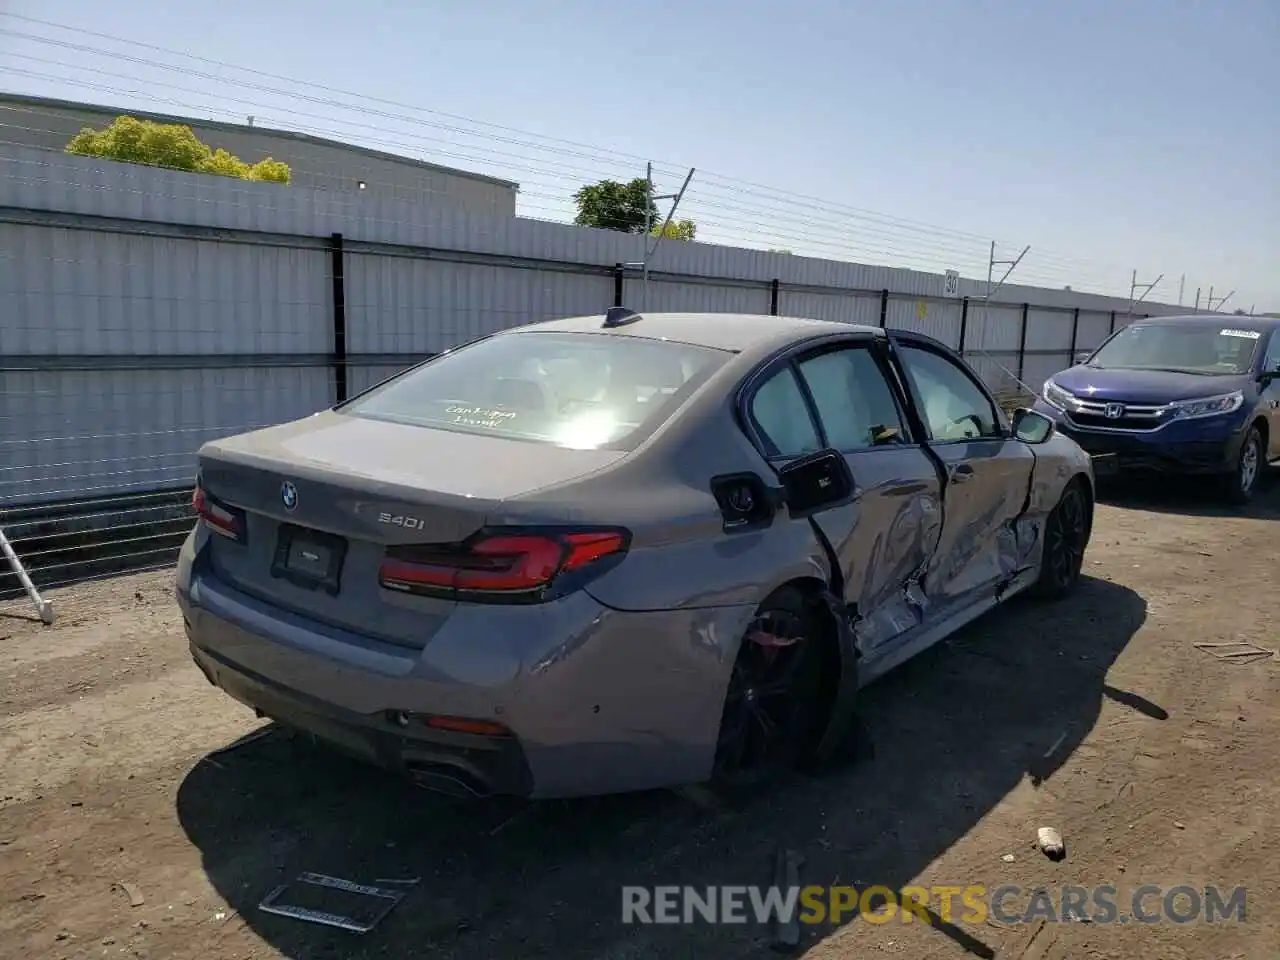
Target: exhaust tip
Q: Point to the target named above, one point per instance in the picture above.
(448, 779)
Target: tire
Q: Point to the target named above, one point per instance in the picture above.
(774, 707)
(1066, 535)
(1243, 480)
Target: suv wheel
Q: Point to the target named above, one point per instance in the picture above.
(1244, 478)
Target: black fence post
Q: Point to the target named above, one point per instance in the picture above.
(773, 297)
(964, 324)
(619, 276)
(1113, 323)
(339, 358)
(1075, 333)
(884, 308)
(1022, 341)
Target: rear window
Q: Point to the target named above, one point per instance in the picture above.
(579, 390)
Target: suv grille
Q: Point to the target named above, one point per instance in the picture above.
(1093, 415)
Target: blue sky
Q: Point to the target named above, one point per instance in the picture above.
(1109, 136)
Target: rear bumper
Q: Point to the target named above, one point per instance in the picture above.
(465, 765)
(1182, 448)
(597, 701)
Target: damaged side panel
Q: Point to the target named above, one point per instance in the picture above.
(883, 538)
(983, 541)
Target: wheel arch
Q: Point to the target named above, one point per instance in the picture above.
(1087, 483)
(1264, 429)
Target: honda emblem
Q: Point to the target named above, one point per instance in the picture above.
(1114, 411)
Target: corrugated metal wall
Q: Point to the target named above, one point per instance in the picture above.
(147, 311)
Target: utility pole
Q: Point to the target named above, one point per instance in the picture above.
(649, 251)
(1221, 301)
(992, 263)
(1146, 289)
(1182, 285)
(1197, 300)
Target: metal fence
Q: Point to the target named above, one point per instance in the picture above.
(148, 311)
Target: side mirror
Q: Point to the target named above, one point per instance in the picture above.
(1083, 355)
(815, 482)
(1031, 426)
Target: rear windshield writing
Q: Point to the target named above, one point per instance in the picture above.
(1247, 334)
(586, 391)
(479, 416)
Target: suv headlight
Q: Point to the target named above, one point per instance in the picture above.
(1055, 396)
(1207, 407)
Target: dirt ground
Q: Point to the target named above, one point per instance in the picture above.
(123, 833)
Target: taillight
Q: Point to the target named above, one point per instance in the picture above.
(221, 519)
(496, 566)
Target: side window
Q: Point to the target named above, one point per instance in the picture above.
(782, 417)
(951, 404)
(1272, 362)
(853, 398)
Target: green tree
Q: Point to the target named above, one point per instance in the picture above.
(677, 230)
(611, 205)
(171, 145)
(626, 207)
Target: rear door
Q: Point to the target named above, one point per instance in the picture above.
(836, 395)
(986, 475)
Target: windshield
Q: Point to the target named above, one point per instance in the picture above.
(580, 390)
(1183, 348)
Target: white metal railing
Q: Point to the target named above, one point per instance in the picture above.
(43, 606)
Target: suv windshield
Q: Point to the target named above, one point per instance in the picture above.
(1180, 347)
(580, 390)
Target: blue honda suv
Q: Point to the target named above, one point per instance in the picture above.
(1193, 395)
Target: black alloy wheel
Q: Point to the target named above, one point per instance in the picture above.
(773, 704)
(1066, 535)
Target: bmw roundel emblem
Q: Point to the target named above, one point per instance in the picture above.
(288, 495)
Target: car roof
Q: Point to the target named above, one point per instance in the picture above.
(734, 332)
(1234, 321)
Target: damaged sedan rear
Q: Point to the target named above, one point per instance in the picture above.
(604, 554)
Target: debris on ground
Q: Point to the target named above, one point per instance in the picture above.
(1050, 843)
(786, 876)
(132, 892)
(1237, 651)
(1008, 858)
(332, 902)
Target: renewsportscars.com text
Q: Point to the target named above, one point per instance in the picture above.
(975, 903)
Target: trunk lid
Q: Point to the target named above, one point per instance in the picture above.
(324, 497)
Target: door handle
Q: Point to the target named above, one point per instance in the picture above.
(961, 473)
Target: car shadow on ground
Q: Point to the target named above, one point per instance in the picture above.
(1191, 496)
(1009, 698)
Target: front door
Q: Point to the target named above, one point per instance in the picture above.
(837, 397)
(986, 477)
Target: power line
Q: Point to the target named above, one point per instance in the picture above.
(709, 179)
